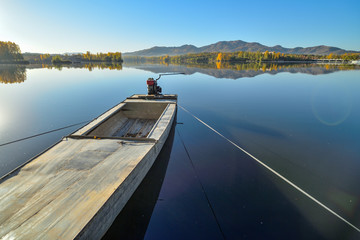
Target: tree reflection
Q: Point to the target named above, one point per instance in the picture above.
(271, 67)
(12, 74)
(244, 70)
(17, 73)
(89, 66)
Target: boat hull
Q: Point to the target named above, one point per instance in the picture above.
(98, 226)
(78, 187)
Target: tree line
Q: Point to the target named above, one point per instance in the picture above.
(10, 52)
(103, 57)
(110, 57)
(236, 57)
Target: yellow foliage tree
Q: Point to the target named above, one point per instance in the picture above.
(266, 54)
(219, 57)
(330, 56)
(10, 51)
(277, 56)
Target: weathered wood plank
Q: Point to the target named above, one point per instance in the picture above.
(121, 132)
(163, 122)
(65, 186)
(144, 131)
(135, 129)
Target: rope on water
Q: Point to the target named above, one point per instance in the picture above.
(275, 172)
(36, 135)
(202, 187)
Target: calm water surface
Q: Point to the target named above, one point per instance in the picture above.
(303, 125)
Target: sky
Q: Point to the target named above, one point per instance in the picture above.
(47, 26)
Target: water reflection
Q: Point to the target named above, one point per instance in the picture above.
(12, 74)
(17, 74)
(133, 220)
(236, 71)
(269, 116)
(89, 66)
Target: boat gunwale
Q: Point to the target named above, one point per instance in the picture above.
(158, 120)
(152, 97)
(132, 139)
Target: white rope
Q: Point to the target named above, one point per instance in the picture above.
(276, 173)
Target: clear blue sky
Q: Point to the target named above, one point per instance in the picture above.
(102, 26)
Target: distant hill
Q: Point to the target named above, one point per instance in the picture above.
(235, 46)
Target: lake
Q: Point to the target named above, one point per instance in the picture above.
(301, 120)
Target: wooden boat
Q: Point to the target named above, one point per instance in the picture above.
(76, 188)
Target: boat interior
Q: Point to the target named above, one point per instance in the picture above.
(134, 120)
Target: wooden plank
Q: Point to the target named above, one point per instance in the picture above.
(163, 121)
(135, 129)
(146, 128)
(132, 126)
(128, 139)
(150, 101)
(121, 132)
(55, 199)
(144, 109)
(154, 97)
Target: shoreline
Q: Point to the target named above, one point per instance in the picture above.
(56, 63)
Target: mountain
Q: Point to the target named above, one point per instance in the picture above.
(159, 51)
(235, 46)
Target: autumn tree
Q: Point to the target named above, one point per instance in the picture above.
(219, 57)
(10, 51)
(277, 56)
(56, 59)
(266, 55)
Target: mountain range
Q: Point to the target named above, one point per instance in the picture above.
(235, 46)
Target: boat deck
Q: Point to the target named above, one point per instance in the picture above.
(55, 196)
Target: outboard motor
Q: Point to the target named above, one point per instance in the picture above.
(153, 88)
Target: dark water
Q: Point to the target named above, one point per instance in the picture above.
(303, 122)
